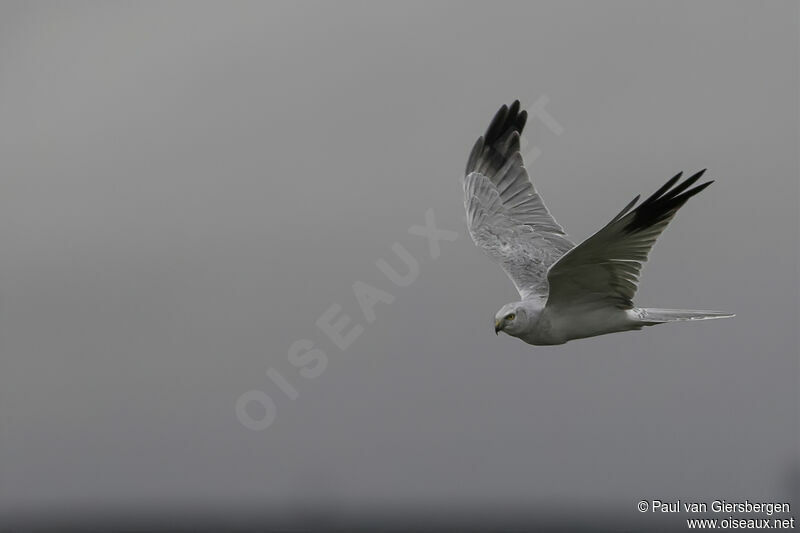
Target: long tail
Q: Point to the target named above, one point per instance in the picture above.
(650, 316)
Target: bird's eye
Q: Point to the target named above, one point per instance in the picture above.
(510, 316)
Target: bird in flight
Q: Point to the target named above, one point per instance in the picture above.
(566, 291)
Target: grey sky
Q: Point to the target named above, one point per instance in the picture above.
(186, 187)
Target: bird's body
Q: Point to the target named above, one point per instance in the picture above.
(568, 292)
(554, 327)
(541, 325)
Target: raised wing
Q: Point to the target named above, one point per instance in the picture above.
(604, 269)
(505, 215)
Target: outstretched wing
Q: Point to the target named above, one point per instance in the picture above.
(505, 215)
(604, 269)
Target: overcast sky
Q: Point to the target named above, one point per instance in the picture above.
(186, 188)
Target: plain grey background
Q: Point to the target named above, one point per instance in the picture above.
(185, 187)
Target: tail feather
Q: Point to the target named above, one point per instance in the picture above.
(650, 315)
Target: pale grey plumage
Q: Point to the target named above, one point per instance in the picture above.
(505, 215)
(567, 291)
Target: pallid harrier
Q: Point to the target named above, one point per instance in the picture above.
(567, 291)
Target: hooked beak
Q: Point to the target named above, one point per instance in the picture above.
(498, 325)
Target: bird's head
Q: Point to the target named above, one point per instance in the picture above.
(517, 318)
(511, 319)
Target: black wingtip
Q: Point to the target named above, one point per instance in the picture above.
(500, 141)
(685, 184)
(665, 201)
(522, 118)
(507, 118)
(664, 188)
(688, 194)
(496, 126)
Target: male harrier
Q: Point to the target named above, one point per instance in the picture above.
(567, 291)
